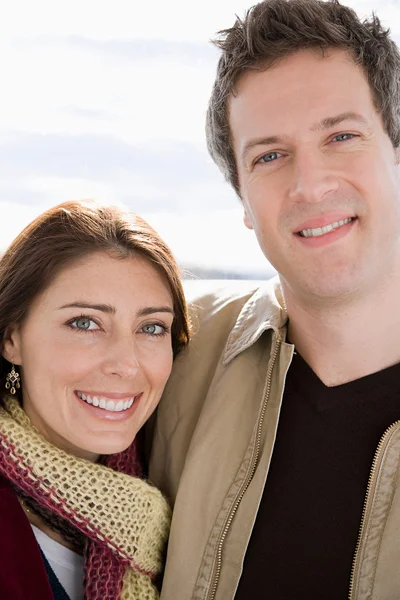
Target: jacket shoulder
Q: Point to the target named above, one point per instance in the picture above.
(208, 300)
(216, 312)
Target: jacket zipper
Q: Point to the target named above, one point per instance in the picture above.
(377, 457)
(247, 481)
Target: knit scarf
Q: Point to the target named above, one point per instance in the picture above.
(124, 519)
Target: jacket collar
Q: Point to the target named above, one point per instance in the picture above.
(264, 310)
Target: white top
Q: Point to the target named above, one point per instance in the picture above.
(66, 564)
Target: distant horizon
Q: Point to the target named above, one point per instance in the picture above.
(193, 272)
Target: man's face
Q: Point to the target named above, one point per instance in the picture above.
(318, 174)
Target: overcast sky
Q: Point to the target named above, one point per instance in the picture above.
(107, 99)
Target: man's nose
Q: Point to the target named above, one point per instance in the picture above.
(313, 177)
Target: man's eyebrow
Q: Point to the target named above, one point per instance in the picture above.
(326, 123)
(329, 122)
(107, 308)
(261, 141)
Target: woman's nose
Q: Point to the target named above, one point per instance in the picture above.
(123, 359)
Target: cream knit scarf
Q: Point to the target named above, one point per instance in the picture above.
(125, 520)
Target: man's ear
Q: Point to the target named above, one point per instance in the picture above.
(11, 349)
(246, 219)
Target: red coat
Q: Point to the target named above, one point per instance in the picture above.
(22, 571)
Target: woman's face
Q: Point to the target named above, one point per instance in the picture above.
(95, 353)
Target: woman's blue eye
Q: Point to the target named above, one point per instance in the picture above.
(84, 324)
(154, 329)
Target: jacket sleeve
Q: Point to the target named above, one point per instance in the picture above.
(213, 317)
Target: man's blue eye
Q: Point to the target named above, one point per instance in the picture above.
(343, 137)
(270, 157)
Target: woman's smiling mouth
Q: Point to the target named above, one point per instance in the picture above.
(106, 403)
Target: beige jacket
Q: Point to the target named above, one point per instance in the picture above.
(213, 440)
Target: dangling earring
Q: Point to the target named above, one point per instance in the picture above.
(12, 381)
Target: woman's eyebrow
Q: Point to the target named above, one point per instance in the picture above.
(155, 309)
(107, 308)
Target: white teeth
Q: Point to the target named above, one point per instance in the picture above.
(325, 229)
(105, 403)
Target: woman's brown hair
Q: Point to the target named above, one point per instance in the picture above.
(64, 234)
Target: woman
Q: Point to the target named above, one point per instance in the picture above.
(92, 313)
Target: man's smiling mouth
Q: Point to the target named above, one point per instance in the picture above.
(318, 231)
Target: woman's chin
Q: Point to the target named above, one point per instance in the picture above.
(106, 447)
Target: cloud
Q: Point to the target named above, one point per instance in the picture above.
(154, 175)
(176, 19)
(217, 239)
(88, 113)
(163, 92)
(188, 53)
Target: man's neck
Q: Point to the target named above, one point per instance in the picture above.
(345, 342)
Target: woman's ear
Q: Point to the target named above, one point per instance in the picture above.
(11, 349)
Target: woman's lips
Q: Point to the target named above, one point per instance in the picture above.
(115, 403)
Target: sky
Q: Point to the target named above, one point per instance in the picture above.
(107, 100)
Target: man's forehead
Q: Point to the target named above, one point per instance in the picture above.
(301, 94)
(321, 56)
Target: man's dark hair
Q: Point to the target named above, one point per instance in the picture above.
(275, 29)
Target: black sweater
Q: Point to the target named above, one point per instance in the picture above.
(306, 530)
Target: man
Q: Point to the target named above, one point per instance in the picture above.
(278, 439)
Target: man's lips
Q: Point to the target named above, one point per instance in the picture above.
(323, 231)
(323, 221)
